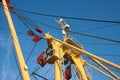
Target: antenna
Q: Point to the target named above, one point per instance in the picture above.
(65, 28)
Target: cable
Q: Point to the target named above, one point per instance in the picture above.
(75, 73)
(116, 70)
(19, 71)
(48, 70)
(95, 43)
(83, 33)
(11, 46)
(16, 31)
(112, 55)
(19, 14)
(14, 55)
(98, 37)
(31, 53)
(50, 78)
(23, 18)
(40, 76)
(9, 29)
(96, 28)
(35, 77)
(79, 33)
(104, 73)
(89, 43)
(74, 76)
(68, 17)
(37, 69)
(88, 35)
(28, 57)
(26, 23)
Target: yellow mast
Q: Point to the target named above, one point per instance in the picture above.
(69, 49)
(57, 47)
(60, 49)
(23, 66)
(77, 62)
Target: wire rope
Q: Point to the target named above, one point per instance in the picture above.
(35, 77)
(68, 17)
(101, 27)
(10, 42)
(88, 43)
(79, 33)
(89, 34)
(14, 54)
(28, 57)
(48, 70)
(31, 52)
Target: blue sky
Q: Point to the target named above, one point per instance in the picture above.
(94, 9)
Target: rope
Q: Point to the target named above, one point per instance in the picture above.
(98, 28)
(79, 33)
(68, 17)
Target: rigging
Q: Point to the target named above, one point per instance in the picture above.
(68, 17)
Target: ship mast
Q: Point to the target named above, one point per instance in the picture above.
(21, 61)
(69, 49)
(77, 64)
(66, 49)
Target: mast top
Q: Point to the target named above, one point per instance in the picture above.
(65, 28)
